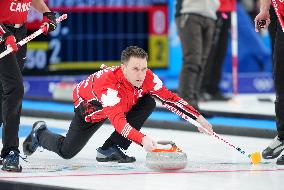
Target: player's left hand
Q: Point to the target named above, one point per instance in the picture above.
(206, 126)
(11, 42)
(262, 20)
(49, 22)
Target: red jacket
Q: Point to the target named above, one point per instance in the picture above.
(13, 12)
(227, 5)
(280, 4)
(117, 96)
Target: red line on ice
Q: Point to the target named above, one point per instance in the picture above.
(139, 173)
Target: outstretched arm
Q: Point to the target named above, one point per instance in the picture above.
(177, 105)
(180, 107)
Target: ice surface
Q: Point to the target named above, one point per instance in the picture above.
(211, 165)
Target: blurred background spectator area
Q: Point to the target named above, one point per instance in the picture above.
(97, 30)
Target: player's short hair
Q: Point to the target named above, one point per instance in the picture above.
(133, 51)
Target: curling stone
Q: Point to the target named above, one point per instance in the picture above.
(166, 159)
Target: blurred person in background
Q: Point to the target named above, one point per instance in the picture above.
(277, 145)
(195, 21)
(124, 95)
(251, 6)
(213, 71)
(13, 16)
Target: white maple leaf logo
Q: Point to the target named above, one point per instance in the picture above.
(110, 98)
(158, 83)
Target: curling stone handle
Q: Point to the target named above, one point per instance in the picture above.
(166, 142)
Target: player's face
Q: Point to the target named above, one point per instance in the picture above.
(135, 71)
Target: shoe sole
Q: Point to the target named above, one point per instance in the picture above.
(27, 142)
(12, 169)
(105, 160)
(271, 157)
(125, 161)
(112, 158)
(115, 160)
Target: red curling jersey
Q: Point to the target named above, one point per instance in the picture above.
(14, 11)
(117, 96)
(280, 4)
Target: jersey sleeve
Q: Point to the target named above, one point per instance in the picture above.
(4, 33)
(170, 100)
(111, 102)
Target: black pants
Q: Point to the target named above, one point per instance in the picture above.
(11, 92)
(278, 69)
(272, 28)
(80, 132)
(213, 69)
(196, 33)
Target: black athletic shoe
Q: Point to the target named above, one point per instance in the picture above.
(274, 149)
(31, 142)
(113, 154)
(11, 162)
(280, 160)
(1, 161)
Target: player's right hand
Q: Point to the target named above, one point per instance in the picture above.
(11, 42)
(148, 144)
(262, 20)
(49, 22)
(206, 127)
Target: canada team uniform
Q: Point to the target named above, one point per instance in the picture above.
(280, 4)
(13, 16)
(276, 147)
(113, 96)
(278, 60)
(107, 94)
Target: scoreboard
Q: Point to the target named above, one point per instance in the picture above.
(95, 33)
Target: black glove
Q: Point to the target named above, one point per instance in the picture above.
(49, 22)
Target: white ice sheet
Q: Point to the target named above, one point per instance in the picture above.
(211, 165)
